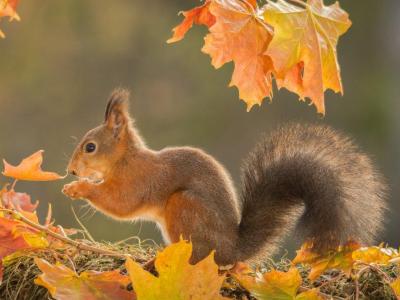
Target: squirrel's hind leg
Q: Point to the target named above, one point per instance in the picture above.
(189, 218)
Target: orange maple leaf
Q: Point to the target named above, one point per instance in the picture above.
(241, 35)
(199, 15)
(8, 9)
(274, 284)
(64, 283)
(30, 169)
(9, 242)
(341, 258)
(303, 49)
(16, 236)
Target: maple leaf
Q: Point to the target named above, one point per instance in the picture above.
(240, 35)
(309, 295)
(199, 15)
(8, 9)
(29, 169)
(275, 285)
(9, 242)
(16, 236)
(177, 279)
(64, 283)
(375, 254)
(303, 49)
(340, 259)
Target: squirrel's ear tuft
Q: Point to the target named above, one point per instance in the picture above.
(117, 111)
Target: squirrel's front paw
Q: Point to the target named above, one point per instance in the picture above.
(72, 190)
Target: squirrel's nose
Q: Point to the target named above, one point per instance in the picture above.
(72, 172)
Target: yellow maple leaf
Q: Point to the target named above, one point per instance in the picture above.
(275, 285)
(30, 169)
(375, 254)
(177, 279)
(240, 35)
(340, 259)
(396, 287)
(303, 49)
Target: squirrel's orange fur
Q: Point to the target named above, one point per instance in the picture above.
(304, 175)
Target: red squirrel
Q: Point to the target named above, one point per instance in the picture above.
(306, 176)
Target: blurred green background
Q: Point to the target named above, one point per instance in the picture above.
(59, 64)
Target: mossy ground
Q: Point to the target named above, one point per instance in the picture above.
(20, 272)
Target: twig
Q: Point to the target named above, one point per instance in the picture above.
(332, 280)
(83, 226)
(395, 260)
(357, 276)
(385, 276)
(376, 269)
(357, 284)
(71, 262)
(128, 239)
(13, 184)
(76, 244)
(48, 216)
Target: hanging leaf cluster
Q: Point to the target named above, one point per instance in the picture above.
(293, 42)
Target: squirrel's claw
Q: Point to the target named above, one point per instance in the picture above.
(71, 190)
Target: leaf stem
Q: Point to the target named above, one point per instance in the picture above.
(251, 7)
(298, 2)
(13, 184)
(83, 226)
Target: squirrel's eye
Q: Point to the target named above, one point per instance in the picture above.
(90, 147)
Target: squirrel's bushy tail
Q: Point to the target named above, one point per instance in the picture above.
(312, 178)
